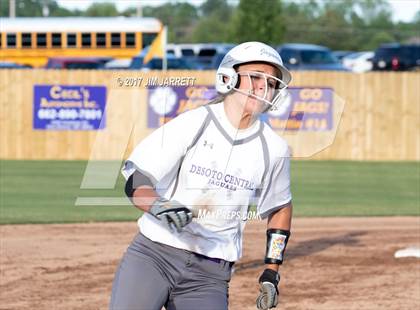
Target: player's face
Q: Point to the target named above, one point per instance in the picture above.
(254, 80)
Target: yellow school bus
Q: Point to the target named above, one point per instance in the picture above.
(31, 41)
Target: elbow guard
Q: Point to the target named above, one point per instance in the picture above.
(135, 180)
(276, 245)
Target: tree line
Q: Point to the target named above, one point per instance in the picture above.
(340, 25)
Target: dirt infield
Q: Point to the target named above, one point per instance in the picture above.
(332, 263)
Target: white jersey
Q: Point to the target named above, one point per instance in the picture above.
(200, 160)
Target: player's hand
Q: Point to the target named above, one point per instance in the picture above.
(171, 213)
(269, 292)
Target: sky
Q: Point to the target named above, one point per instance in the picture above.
(403, 10)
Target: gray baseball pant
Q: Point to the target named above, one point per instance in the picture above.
(152, 275)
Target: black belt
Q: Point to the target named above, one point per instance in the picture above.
(213, 259)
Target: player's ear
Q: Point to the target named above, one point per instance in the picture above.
(238, 82)
(226, 80)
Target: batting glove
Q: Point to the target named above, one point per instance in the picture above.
(269, 292)
(171, 213)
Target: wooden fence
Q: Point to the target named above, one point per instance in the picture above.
(380, 119)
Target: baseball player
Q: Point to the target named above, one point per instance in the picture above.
(194, 178)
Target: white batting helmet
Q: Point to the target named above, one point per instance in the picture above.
(227, 77)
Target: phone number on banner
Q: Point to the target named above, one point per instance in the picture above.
(69, 114)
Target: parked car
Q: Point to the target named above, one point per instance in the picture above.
(204, 56)
(173, 63)
(359, 62)
(297, 56)
(341, 54)
(118, 64)
(77, 62)
(182, 50)
(217, 59)
(195, 49)
(397, 57)
(13, 65)
(210, 53)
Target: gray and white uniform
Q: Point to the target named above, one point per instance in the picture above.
(200, 160)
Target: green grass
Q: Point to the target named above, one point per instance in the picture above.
(45, 191)
(346, 188)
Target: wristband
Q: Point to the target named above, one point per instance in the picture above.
(276, 246)
(158, 206)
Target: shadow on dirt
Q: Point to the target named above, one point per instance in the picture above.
(306, 248)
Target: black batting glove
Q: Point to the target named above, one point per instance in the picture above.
(171, 213)
(268, 298)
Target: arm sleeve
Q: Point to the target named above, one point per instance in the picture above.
(160, 153)
(276, 192)
(135, 180)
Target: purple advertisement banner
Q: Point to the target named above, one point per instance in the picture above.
(164, 103)
(65, 107)
(307, 109)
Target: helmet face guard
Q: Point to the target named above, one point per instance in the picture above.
(271, 94)
(275, 89)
